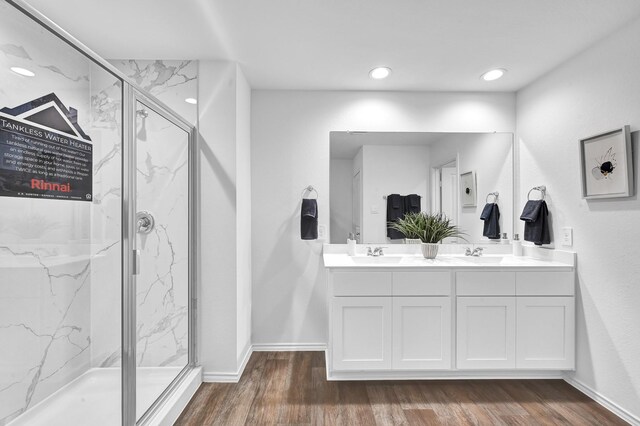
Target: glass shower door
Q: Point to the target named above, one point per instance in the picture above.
(162, 245)
(60, 229)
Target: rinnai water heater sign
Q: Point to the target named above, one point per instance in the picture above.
(44, 153)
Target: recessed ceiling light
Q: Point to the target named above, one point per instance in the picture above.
(191, 101)
(23, 71)
(379, 73)
(493, 74)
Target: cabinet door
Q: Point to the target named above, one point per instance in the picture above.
(421, 333)
(361, 333)
(546, 333)
(486, 333)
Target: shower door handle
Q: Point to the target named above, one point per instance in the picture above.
(136, 262)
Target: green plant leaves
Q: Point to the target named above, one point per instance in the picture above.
(429, 228)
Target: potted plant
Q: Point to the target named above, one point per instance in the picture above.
(431, 229)
(410, 228)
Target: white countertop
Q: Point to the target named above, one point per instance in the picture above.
(500, 262)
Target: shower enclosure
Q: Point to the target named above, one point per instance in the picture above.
(97, 226)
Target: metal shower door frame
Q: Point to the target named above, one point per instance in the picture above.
(133, 96)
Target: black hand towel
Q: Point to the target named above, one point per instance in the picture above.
(309, 219)
(531, 210)
(395, 211)
(491, 217)
(536, 223)
(412, 203)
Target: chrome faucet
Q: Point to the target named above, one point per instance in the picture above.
(477, 252)
(377, 251)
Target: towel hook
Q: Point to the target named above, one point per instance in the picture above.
(495, 197)
(308, 190)
(541, 188)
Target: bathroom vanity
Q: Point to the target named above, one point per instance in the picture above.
(400, 316)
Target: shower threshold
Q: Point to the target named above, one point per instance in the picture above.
(94, 398)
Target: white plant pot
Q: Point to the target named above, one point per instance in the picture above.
(429, 250)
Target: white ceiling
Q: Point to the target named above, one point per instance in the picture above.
(332, 44)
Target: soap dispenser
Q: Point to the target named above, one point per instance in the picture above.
(351, 244)
(516, 245)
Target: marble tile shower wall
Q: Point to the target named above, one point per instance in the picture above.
(48, 250)
(60, 260)
(170, 81)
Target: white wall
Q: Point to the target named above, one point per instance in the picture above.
(217, 295)
(596, 91)
(341, 199)
(290, 150)
(390, 169)
(225, 233)
(243, 187)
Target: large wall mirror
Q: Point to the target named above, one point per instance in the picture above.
(451, 173)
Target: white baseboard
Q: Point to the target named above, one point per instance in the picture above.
(228, 377)
(215, 377)
(289, 347)
(234, 377)
(604, 401)
(442, 375)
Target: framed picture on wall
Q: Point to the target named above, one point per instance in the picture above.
(468, 189)
(606, 165)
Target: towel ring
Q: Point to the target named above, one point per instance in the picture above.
(308, 190)
(495, 197)
(541, 188)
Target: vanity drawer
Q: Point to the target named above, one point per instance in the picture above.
(436, 283)
(362, 284)
(494, 283)
(545, 283)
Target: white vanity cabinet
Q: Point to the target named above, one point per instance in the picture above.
(486, 333)
(390, 320)
(523, 320)
(546, 333)
(421, 333)
(451, 321)
(486, 320)
(361, 333)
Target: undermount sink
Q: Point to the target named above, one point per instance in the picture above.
(484, 260)
(376, 260)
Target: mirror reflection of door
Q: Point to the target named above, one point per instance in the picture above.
(447, 189)
(355, 215)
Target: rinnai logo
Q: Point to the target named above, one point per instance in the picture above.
(49, 186)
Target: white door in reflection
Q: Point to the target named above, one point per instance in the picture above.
(449, 191)
(357, 211)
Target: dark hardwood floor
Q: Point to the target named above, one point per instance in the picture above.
(290, 388)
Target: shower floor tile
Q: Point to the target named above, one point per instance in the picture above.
(94, 398)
